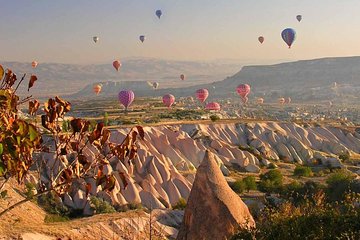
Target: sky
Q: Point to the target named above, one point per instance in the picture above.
(207, 30)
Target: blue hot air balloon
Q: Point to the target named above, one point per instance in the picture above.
(142, 38)
(158, 13)
(288, 35)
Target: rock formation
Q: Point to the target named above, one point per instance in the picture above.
(213, 210)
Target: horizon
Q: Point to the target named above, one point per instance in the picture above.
(53, 32)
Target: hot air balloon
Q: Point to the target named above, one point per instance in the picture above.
(117, 65)
(34, 64)
(260, 101)
(261, 39)
(288, 100)
(243, 90)
(154, 85)
(126, 97)
(288, 35)
(168, 100)
(182, 77)
(202, 94)
(158, 13)
(213, 106)
(96, 39)
(281, 100)
(299, 17)
(142, 38)
(97, 89)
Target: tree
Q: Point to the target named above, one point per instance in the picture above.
(303, 171)
(250, 183)
(272, 181)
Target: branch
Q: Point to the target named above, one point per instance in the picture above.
(22, 79)
(3, 184)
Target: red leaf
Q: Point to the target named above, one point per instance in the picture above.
(32, 80)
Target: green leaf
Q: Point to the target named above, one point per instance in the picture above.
(2, 169)
(33, 133)
(1, 148)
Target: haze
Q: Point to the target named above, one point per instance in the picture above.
(62, 31)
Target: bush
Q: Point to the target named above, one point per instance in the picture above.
(250, 183)
(272, 181)
(344, 157)
(338, 184)
(271, 166)
(214, 118)
(238, 186)
(315, 220)
(181, 204)
(50, 218)
(101, 206)
(303, 171)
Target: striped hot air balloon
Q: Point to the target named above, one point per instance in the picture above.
(168, 100)
(289, 36)
(213, 106)
(202, 94)
(126, 97)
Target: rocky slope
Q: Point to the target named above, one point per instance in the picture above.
(164, 170)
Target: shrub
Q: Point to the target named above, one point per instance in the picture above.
(106, 119)
(272, 166)
(101, 206)
(50, 218)
(238, 186)
(181, 204)
(303, 171)
(250, 183)
(214, 118)
(272, 181)
(338, 184)
(344, 157)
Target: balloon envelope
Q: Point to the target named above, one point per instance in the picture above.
(214, 106)
(97, 89)
(96, 39)
(202, 94)
(281, 100)
(261, 39)
(142, 38)
(288, 35)
(126, 97)
(117, 65)
(182, 77)
(34, 64)
(168, 100)
(260, 101)
(158, 13)
(155, 85)
(299, 17)
(243, 90)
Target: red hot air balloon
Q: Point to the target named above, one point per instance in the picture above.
(261, 39)
(182, 77)
(126, 97)
(34, 64)
(168, 100)
(202, 94)
(213, 106)
(117, 65)
(97, 89)
(243, 90)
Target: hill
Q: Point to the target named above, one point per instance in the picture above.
(63, 79)
(306, 80)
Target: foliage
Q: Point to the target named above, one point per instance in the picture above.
(53, 205)
(238, 186)
(250, 183)
(181, 204)
(344, 157)
(310, 220)
(339, 183)
(30, 190)
(101, 206)
(51, 218)
(303, 171)
(106, 119)
(272, 181)
(214, 118)
(18, 138)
